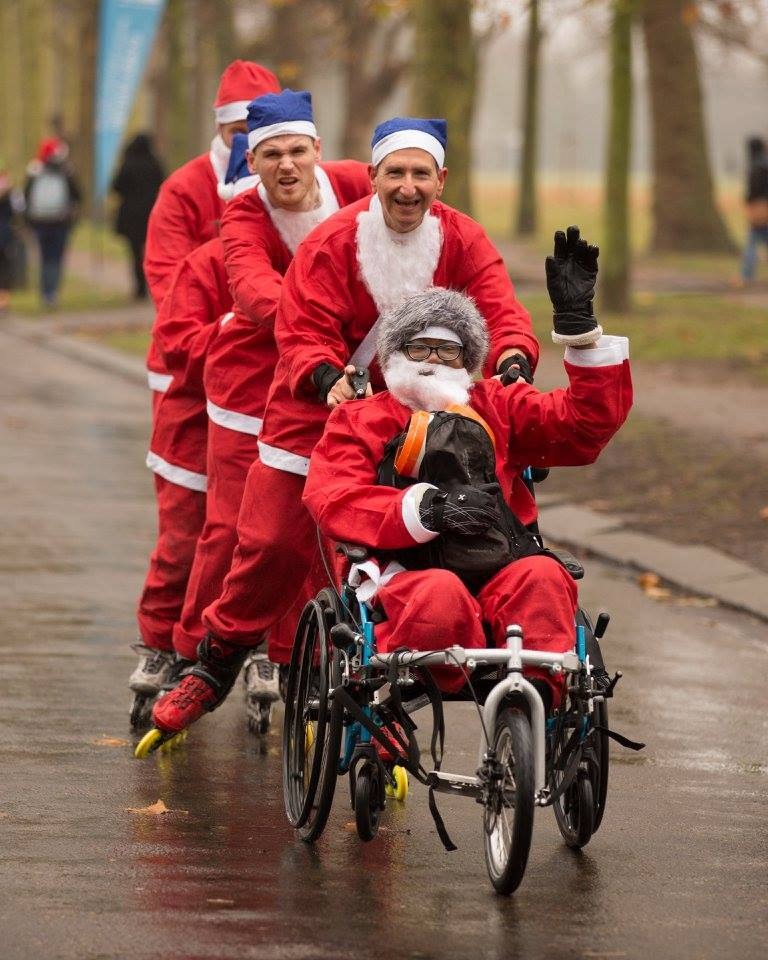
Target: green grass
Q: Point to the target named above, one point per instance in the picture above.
(683, 328)
(75, 295)
(133, 342)
(89, 236)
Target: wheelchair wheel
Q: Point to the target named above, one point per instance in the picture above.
(602, 748)
(313, 723)
(575, 807)
(508, 812)
(368, 802)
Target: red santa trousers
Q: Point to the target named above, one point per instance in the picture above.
(180, 519)
(432, 609)
(230, 455)
(276, 565)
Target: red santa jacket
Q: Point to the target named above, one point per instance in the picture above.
(184, 328)
(185, 215)
(567, 427)
(326, 310)
(241, 361)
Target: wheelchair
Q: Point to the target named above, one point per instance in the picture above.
(344, 699)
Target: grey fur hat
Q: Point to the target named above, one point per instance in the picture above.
(435, 307)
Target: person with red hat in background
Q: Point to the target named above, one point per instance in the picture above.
(52, 198)
(186, 214)
(362, 261)
(185, 324)
(261, 231)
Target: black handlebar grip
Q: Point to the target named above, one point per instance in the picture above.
(359, 381)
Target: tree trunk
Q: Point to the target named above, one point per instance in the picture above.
(289, 42)
(179, 139)
(684, 211)
(444, 81)
(614, 269)
(82, 147)
(526, 203)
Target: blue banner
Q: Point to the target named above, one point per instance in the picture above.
(127, 29)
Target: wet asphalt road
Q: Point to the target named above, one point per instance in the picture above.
(679, 868)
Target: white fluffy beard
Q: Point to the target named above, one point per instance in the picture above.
(426, 386)
(396, 265)
(292, 225)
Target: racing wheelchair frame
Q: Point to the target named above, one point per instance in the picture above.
(344, 698)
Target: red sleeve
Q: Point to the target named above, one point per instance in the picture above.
(254, 259)
(341, 491)
(198, 296)
(313, 312)
(509, 323)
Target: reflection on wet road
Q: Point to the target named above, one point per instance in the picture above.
(677, 870)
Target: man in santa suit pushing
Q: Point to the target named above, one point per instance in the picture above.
(433, 531)
(363, 261)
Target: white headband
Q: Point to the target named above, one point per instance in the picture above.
(230, 112)
(303, 127)
(440, 333)
(402, 140)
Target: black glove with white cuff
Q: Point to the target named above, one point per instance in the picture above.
(571, 276)
(465, 510)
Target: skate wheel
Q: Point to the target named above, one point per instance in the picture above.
(400, 790)
(148, 743)
(309, 737)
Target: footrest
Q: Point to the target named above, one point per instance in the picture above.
(454, 783)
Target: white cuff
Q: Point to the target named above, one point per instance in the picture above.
(410, 512)
(608, 350)
(578, 339)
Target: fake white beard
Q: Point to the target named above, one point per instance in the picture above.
(293, 226)
(393, 265)
(426, 386)
(219, 156)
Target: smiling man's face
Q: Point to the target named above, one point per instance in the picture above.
(407, 183)
(286, 165)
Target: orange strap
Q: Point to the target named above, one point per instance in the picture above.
(411, 451)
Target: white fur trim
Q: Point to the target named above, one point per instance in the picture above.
(578, 339)
(441, 333)
(296, 127)
(409, 507)
(407, 139)
(232, 420)
(178, 475)
(607, 352)
(229, 112)
(219, 157)
(368, 578)
(283, 459)
(294, 225)
(245, 183)
(159, 382)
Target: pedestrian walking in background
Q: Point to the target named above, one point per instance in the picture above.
(137, 182)
(52, 199)
(756, 200)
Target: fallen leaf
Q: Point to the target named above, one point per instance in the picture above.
(650, 584)
(763, 513)
(154, 810)
(110, 742)
(695, 602)
(220, 902)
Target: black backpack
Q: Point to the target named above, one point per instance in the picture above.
(455, 449)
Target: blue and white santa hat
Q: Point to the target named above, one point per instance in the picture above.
(238, 177)
(401, 133)
(275, 114)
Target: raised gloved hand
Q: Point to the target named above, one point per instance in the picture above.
(571, 276)
(514, 368)
(465, 510)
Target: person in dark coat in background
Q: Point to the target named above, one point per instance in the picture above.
(137, 182)
(756, 204)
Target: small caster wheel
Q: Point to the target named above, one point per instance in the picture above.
(156, 739)
(367, 801)
(399, 791)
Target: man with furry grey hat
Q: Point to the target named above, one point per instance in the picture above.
(430, 349)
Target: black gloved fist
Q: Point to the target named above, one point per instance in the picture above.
(514, 368)
(571, 276)
(465, 510)
(324, 377)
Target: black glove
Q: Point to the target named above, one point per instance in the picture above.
(324, 377)
(465, 510)
(514, 368)
(571, 276)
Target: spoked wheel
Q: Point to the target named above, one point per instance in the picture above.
(602, 750)
(508, 811)
(312, 726)
(367, 800)
(575, 806)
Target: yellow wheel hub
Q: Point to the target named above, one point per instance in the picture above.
(400, 789)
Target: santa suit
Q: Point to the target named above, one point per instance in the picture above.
(185, 325)
(259, 242)
(345, 273)
(432, 609)
(185, 215)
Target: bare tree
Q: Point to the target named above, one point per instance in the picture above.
(684, 211)
(614, 273)
(526, 203)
